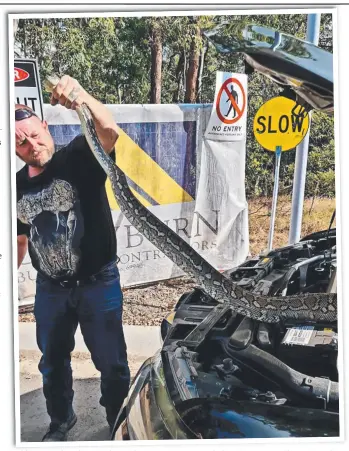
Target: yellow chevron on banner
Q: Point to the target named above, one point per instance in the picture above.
(146, 174)
(111, 198)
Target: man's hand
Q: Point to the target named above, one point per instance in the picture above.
(69, 93)
(22, 246)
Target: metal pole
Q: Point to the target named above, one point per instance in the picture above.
(275, 197)
(313, 30)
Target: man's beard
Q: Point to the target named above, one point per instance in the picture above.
(37, 163)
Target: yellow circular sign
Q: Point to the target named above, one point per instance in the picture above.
(276, 125)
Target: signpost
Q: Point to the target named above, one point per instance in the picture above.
(300, 170)
(278, 129)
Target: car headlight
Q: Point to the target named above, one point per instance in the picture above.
(166, 325)
(150, 413)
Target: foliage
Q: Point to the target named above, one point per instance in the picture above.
(112, 56)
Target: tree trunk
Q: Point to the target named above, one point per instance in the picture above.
(201, 70)
(193, 69)
(15, 26)
(179, 72)
(156, 66)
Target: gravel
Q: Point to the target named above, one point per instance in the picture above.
(146, 305)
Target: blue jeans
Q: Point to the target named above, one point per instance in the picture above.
(97, 307)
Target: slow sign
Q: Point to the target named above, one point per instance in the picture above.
(275, 124)
(277, 127)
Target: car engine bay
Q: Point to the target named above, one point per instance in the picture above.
(291, 363)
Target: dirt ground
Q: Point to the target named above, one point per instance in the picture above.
(145, 306)
(148, 305)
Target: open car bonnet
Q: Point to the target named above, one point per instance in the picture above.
(302, 68)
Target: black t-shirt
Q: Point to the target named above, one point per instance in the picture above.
(65, 213)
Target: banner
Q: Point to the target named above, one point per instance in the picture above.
(195, 186)
(229, 112)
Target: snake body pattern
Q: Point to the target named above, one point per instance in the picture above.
(306, 306)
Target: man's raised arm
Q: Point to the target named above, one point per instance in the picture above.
(103, 120)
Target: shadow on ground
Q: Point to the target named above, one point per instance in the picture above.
(91, 424)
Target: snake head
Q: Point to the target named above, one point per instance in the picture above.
(50, 82)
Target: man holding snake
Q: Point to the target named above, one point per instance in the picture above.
(64, 220)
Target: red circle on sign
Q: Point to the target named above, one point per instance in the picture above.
(20, 74)
(224, 88)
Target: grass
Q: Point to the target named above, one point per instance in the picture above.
(317, 215)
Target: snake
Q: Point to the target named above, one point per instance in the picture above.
(313, 307)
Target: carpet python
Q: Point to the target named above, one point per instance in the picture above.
(269, 309)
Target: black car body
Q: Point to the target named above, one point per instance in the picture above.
(233, 377)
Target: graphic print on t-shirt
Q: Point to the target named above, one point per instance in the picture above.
(56, 228)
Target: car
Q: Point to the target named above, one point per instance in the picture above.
(230, 376)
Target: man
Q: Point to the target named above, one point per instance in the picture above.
(64, 216)
(236, 99)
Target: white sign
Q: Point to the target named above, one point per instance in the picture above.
(27, 85)
(298, 335)
(27, 89)
(229, 112)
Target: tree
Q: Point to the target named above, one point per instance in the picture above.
(129, 60)
(156, 61)
(193, 66)
(15, 26)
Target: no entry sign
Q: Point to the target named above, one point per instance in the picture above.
(228, 117)
(231, 88)
(278, 124)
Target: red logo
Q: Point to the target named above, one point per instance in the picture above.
(20, 74)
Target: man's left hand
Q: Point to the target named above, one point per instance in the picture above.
(68, 92)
